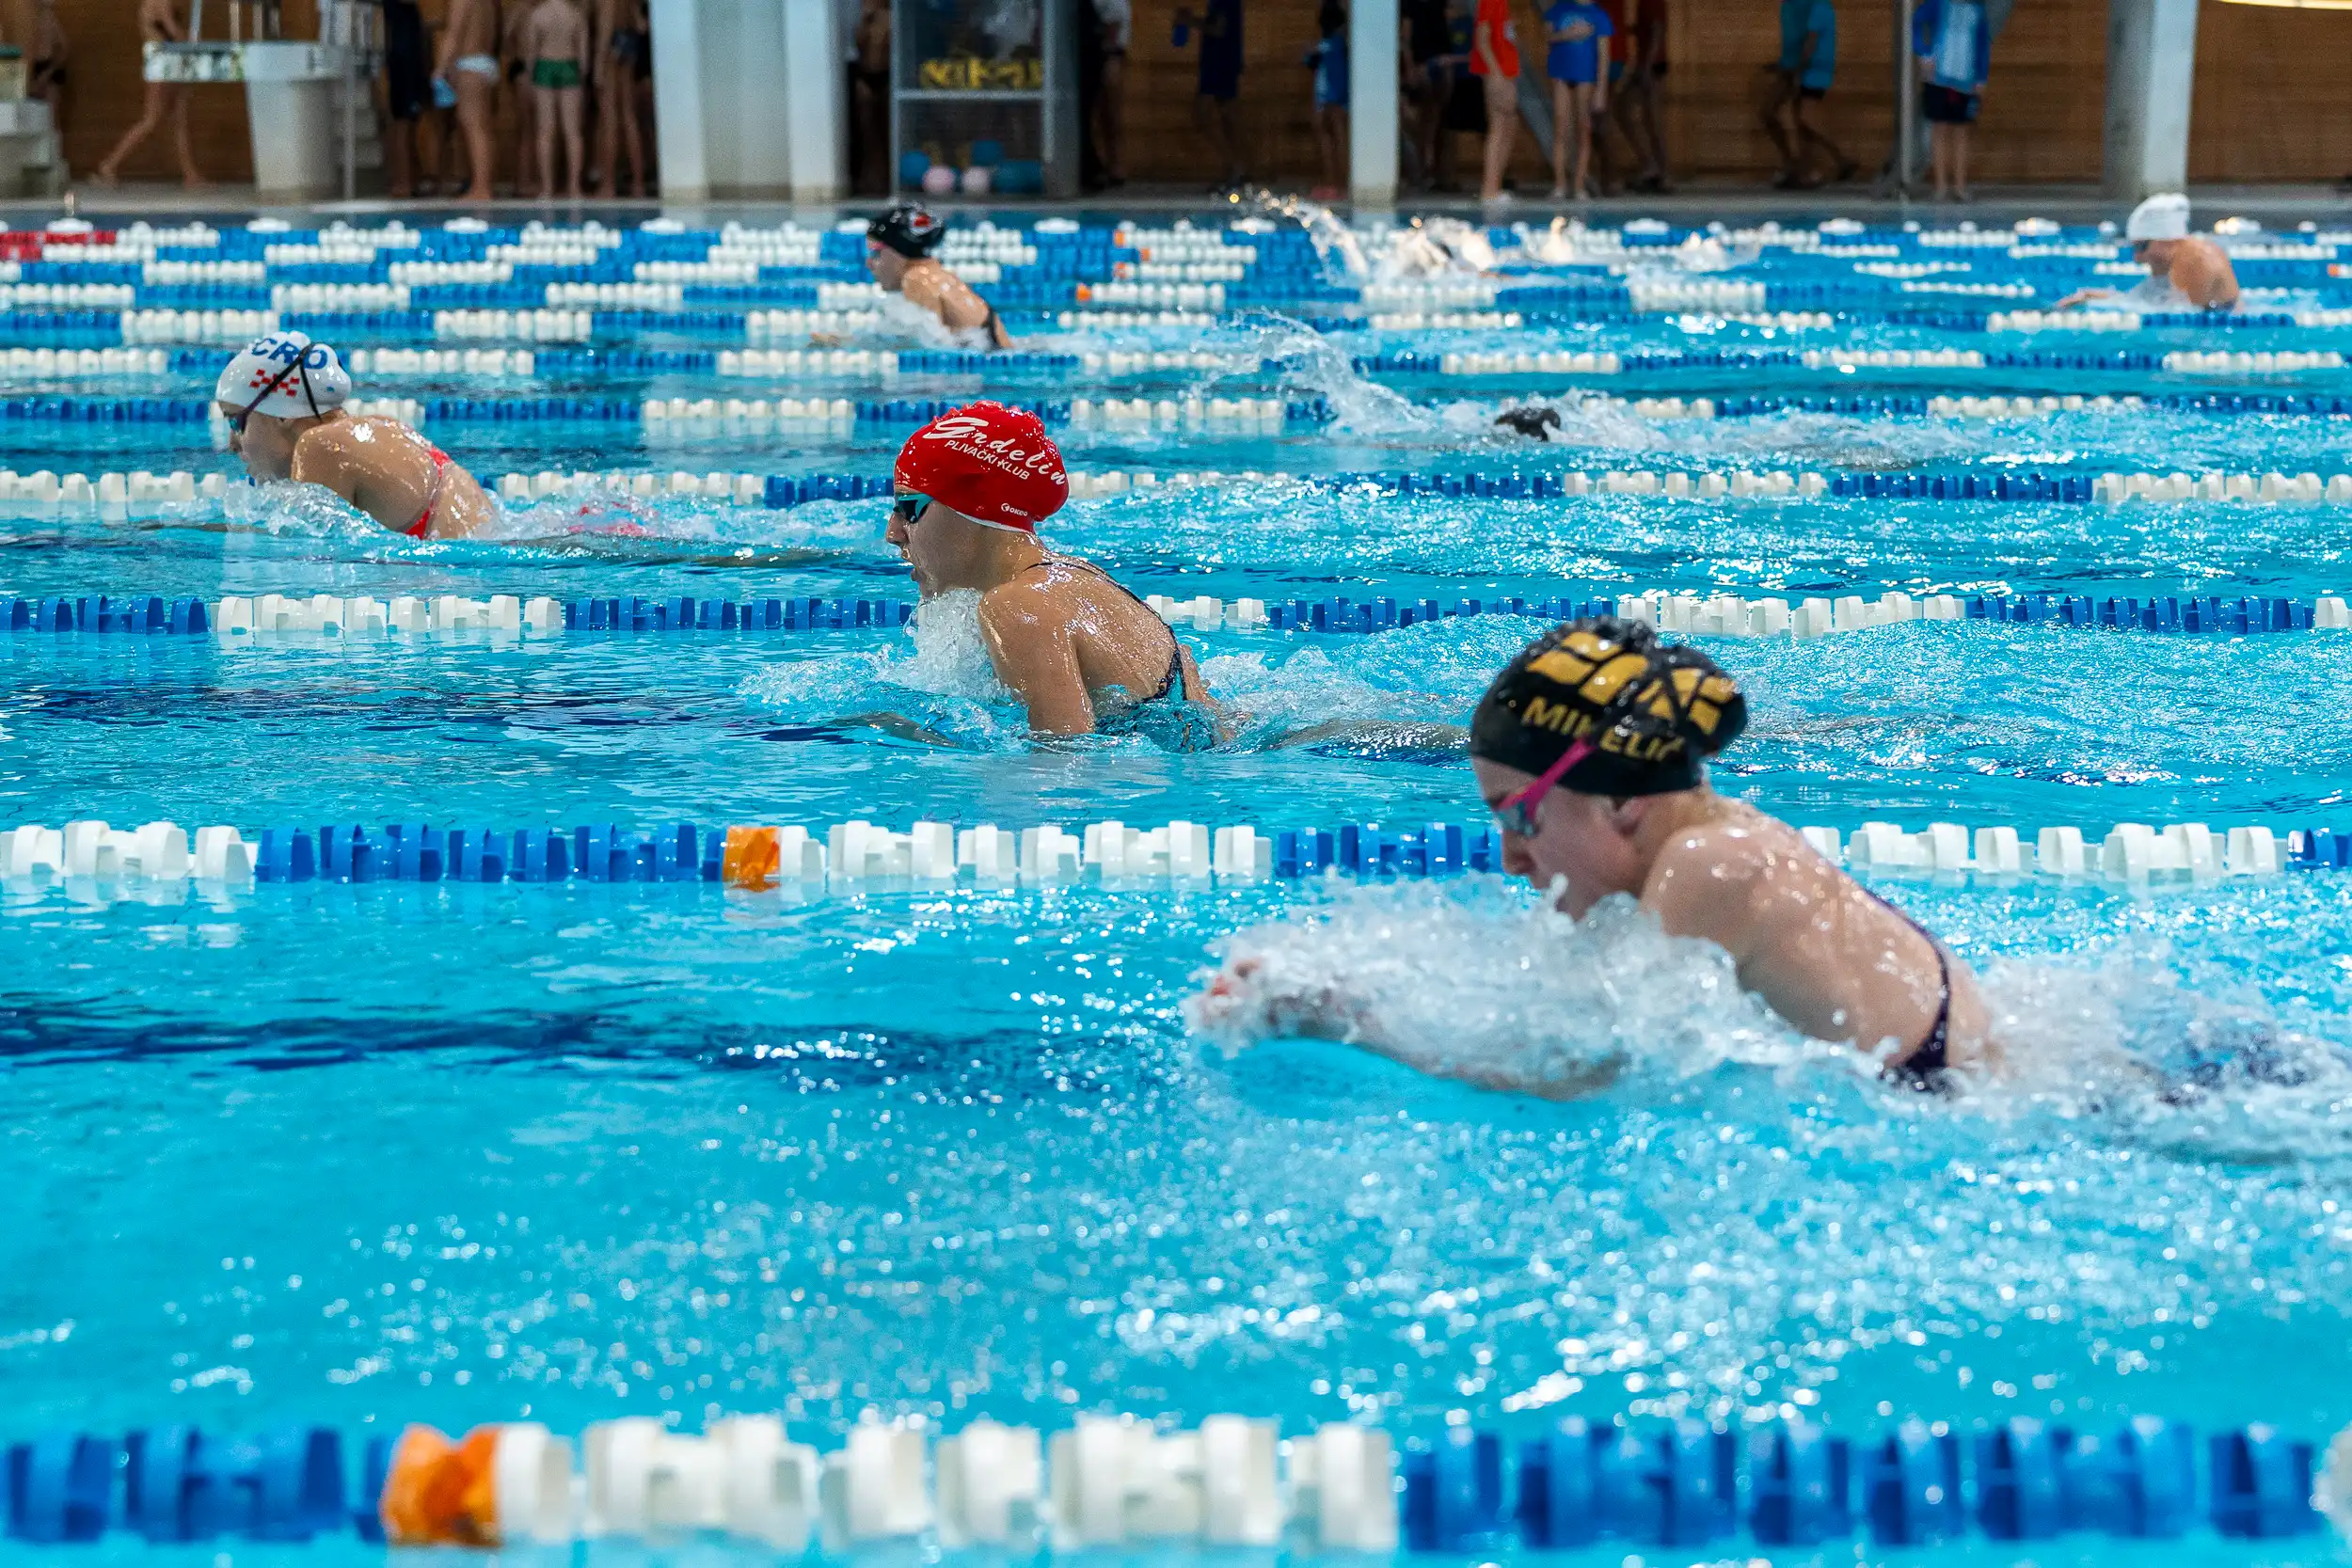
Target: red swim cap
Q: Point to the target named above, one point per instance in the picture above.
(995, 464)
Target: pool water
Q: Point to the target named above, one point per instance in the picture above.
(370, 1154)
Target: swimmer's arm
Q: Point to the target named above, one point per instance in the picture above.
(2083, 296)
(1034, 656)
(1324, 1013)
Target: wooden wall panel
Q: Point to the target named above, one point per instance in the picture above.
(2271, 101)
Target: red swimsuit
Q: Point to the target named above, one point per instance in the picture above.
(433, 503)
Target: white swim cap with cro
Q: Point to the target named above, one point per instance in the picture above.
(2162, 216)
(285, 374)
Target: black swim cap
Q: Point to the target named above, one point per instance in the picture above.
(1651, 713)
(908, 228)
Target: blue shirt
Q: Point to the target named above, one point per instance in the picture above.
(1576, 60)
(1798, 18)
(1951, 36)
(1330, 59)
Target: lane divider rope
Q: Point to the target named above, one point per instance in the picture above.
(1116, 1482)
(1110, 852)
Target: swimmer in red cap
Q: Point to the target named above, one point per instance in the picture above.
(1084, 656)
(1590, 749)
(898, 246)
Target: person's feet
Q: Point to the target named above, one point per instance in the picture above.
(106, 175)
(1559, 193)
(194, 183)
(476, 192)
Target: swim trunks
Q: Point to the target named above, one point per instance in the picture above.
(1947, 105)
(555, 74)
(478, 65)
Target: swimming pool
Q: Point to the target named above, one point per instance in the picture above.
(363, 1154)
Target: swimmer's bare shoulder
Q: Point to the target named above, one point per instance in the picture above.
(1026, 627)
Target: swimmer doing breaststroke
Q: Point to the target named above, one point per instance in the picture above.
(1084, 655)
(2186, 272)
(1590, 750)
(898, 246)
(283, 397)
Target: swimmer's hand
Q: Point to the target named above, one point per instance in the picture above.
(2083, 296)
(827, 340)
(1245, 1005)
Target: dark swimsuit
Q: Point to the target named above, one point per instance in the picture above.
(1924, 1066)
(1166, 716)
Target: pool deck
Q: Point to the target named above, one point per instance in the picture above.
(1692, 203)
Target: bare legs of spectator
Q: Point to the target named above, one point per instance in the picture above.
(1634, 112)
(474, 113)
(1219, 122)
(1572, 140)
(524, 100)
(163, 98)
(617, 131)
(1503, 129)
(1331, 147)
(553, 108)
(1796, 139)
(1110, 119)
(1948, 146)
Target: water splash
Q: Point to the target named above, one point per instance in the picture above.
(1483, 981)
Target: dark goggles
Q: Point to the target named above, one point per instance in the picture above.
(908, 506)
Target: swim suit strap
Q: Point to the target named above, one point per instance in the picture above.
(432, 499)
(1923, 1066)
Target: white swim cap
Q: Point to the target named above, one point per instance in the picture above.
(2162, 216)
(291, 376)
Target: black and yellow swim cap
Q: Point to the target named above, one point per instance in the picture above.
(1651, 713)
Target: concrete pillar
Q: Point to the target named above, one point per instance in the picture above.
(816, 110)
(678, 100)
(1371, 103)
(2152, 72)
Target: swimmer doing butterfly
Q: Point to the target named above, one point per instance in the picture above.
(283, 398)
(1590, 749)
(1082, 655)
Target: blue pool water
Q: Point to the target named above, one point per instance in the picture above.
(370, 1154)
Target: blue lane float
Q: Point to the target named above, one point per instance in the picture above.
(2181, 614)
(1573, 1485)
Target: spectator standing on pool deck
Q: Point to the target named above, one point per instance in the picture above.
(1953, 42)
(620, 53)
(1808, 63)
(1577, 60)
(1495, 61)
(1116, 23)
(1425, 75)
(408, 91)
(1328, 59)
(159, 23)
(1638, 63)
(1215, 108)
(558, 38)
(45, 79)
(468, 61)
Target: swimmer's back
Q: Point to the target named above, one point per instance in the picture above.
(394, 475)
(1117, 640)
(1833, 959)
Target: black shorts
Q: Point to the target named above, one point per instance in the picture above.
(1813, 95)
(1947, 105)
(407, 69)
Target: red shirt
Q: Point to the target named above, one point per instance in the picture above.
(1495, 16)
